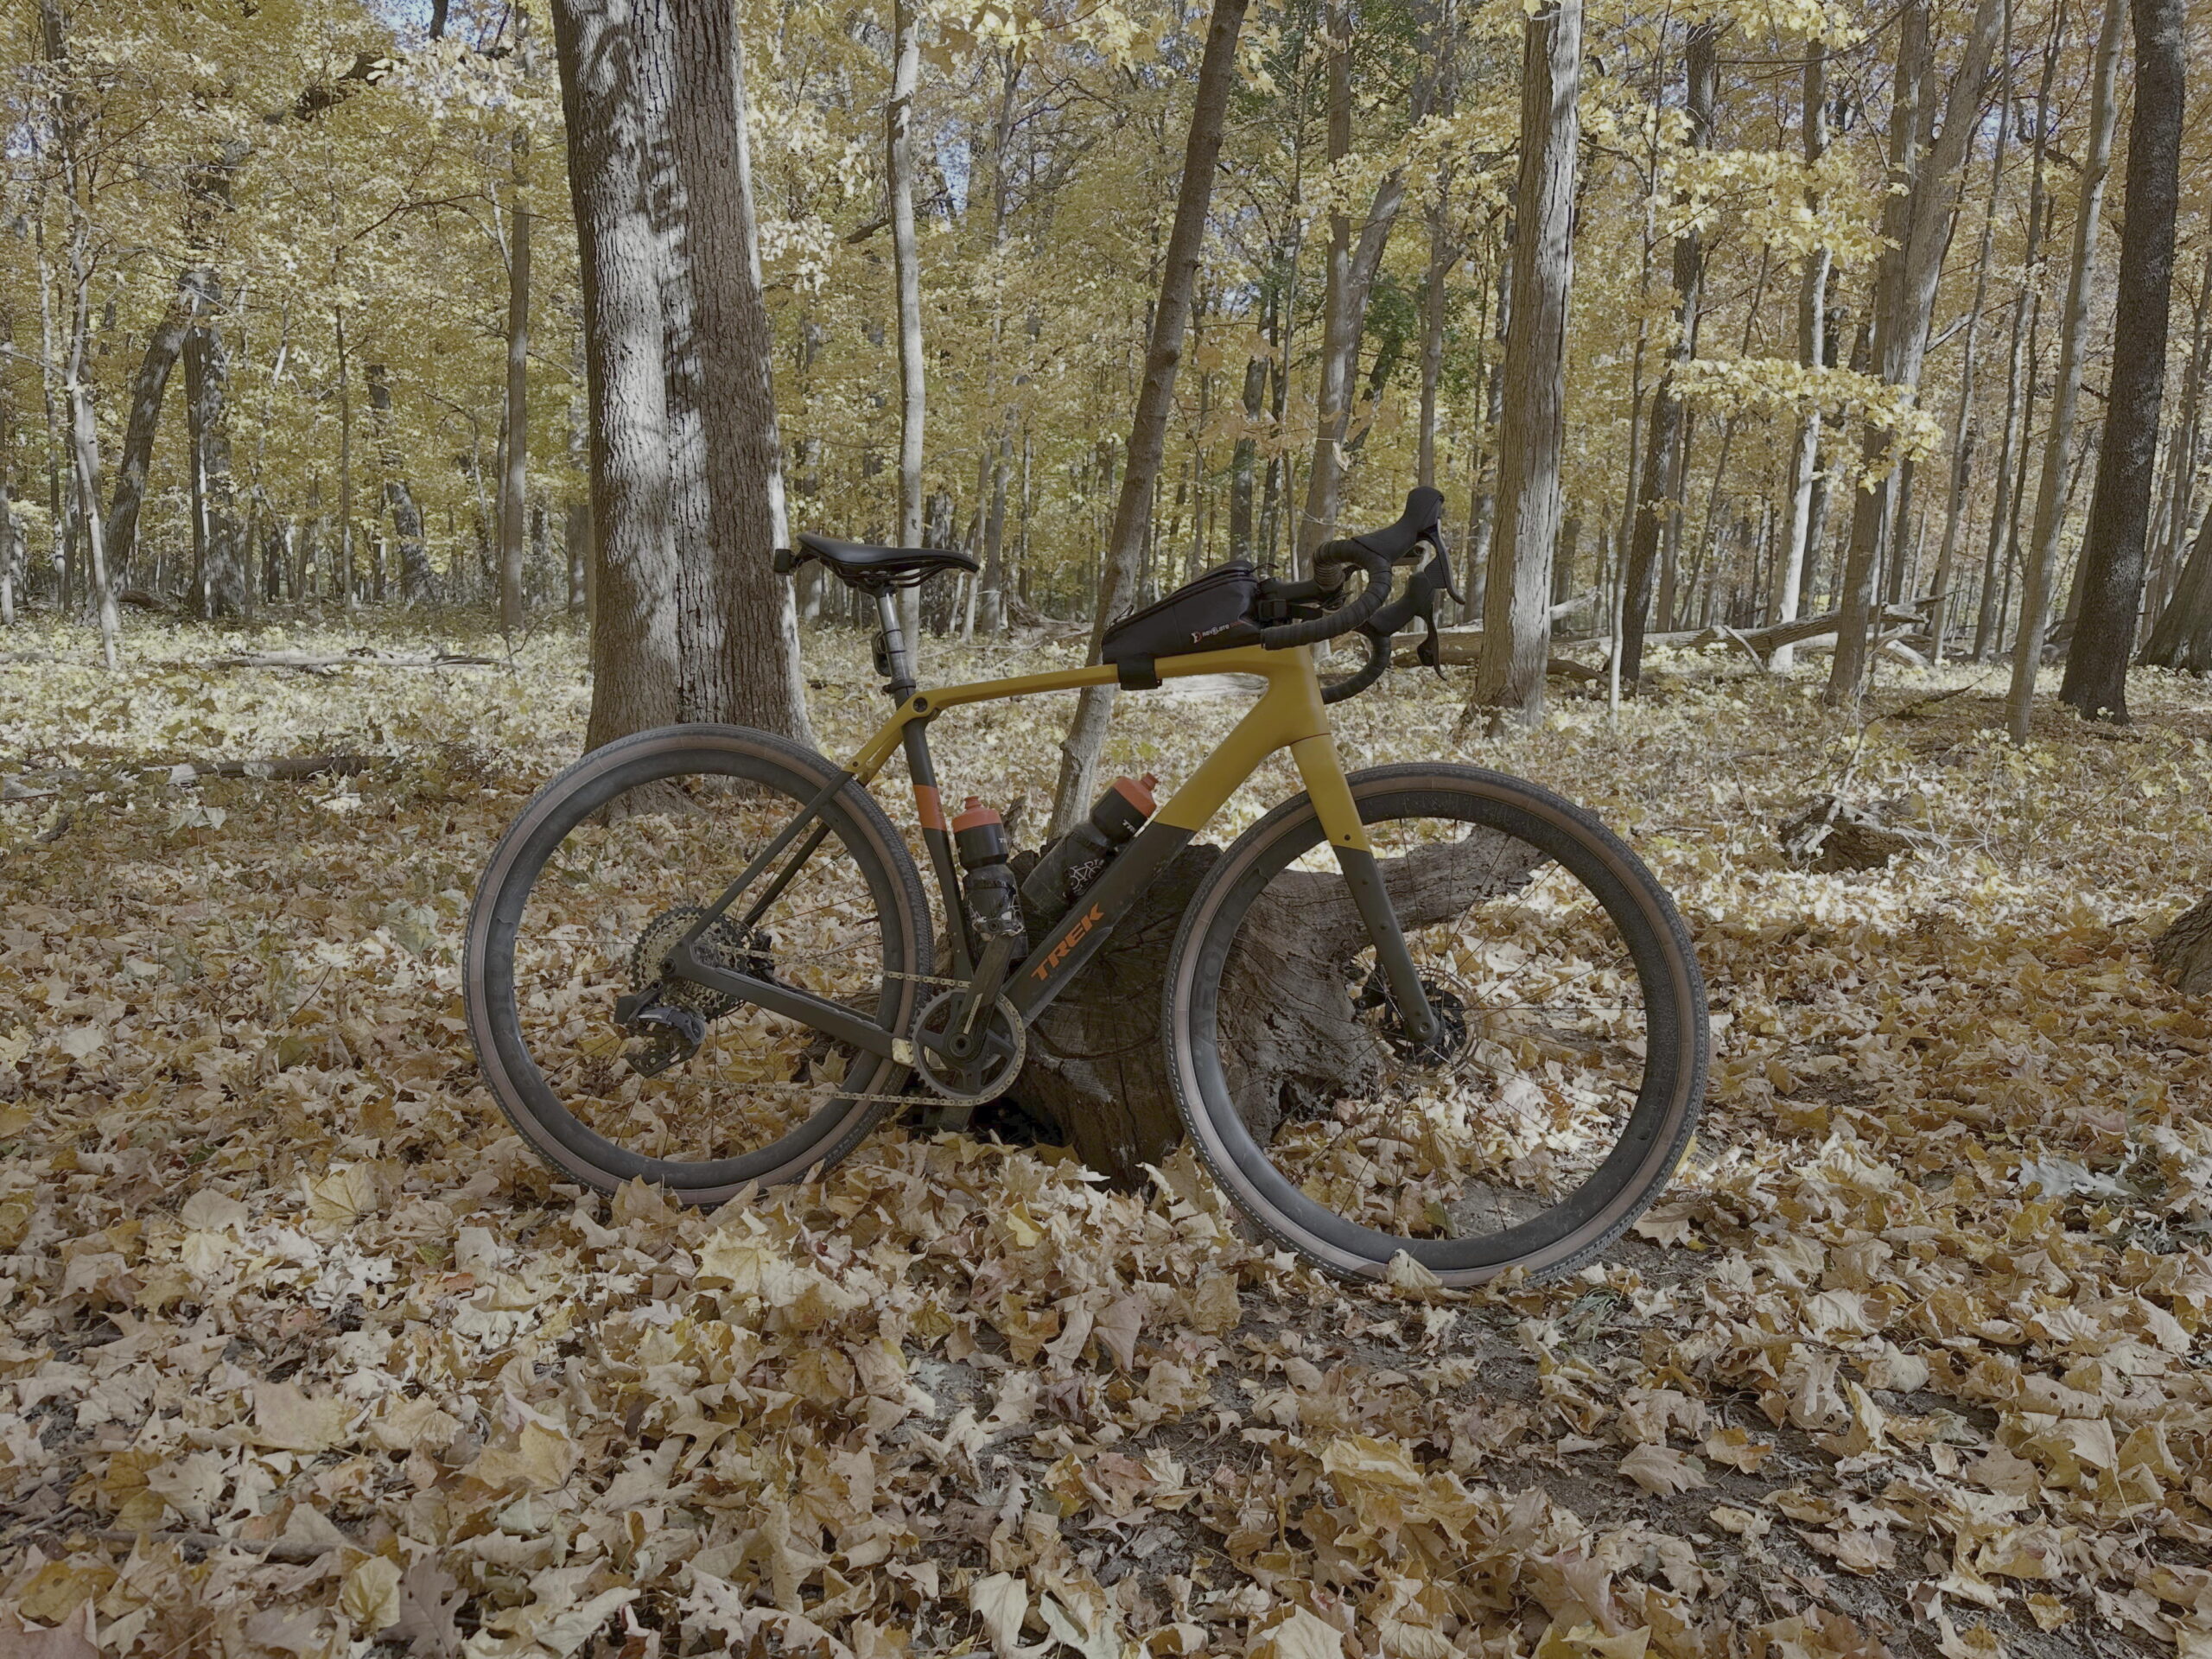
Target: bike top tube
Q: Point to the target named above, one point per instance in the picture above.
(1289, 712)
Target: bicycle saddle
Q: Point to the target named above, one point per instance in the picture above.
(867, 566)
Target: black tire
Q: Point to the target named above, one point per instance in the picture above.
(708, 786)
(1563, 852)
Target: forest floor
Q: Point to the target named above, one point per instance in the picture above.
(301, 1352)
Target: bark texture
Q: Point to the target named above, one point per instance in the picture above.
(739, 653)
(1517, 602)
(634, 635)
(2183, 951)
(148, 387)
(688, 619)
(2183, 637)
(2119, 511)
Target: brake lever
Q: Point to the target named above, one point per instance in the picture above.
(1418, 603)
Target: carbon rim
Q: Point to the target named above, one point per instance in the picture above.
(763, 1101)
(1557, 1224)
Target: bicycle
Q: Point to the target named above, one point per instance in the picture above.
(1533, 1029)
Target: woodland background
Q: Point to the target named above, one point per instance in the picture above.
(311, 572)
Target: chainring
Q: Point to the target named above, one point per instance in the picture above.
(1006, 1040)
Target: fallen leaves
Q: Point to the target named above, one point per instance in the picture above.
(302, 1350)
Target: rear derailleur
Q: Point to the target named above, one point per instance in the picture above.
(670, 1016)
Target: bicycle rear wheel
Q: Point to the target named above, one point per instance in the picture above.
(1552, 1110)
(611, 864)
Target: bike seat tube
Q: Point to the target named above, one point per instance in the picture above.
(891, 642)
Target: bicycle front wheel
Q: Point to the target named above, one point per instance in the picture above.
(614, 861)
(1561, 1093)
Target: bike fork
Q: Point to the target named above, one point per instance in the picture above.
(1324, 777)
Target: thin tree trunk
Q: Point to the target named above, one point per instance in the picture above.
(1811, 355)
(1441, 257)
(2040, 567)
(1242, 458)
(1966, 431)
(1086, 736)
(514, 477)
(2096, 682)
(222, 589)
(85, 447)
(1656, 511)
(148, 387)
(1919, 232)
(1518, 608)
(2181, 461)
(1354, 257)
(898, 125)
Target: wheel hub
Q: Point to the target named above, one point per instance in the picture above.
(1447, 1001)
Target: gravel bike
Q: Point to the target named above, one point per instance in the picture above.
(702, 956)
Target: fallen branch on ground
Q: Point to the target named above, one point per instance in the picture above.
(304, 662)
(288, 766)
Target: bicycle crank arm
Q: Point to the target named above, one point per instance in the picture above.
(817, 1013)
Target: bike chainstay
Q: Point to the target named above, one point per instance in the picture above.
(929, 1094)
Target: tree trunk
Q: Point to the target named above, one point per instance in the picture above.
(1811, 355)
(148, 387)
(206, 377)
(2183, 952)
(1434, 310)
(2182, 638)
(2112, 549)
(1242, 545)
(1966, 430)
(605, 91)
(1658, 510)
(1354, 257)
(899, 144)
(1086, 736)
(739, 628)
(2181, 461)
(514, 477)
(1517, 607)
(1918, 227)
(2040, 567)
(417, 583)
(84, 449)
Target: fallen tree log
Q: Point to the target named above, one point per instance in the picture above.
(1096, 1073)
(1812, 632)
(1459, 647)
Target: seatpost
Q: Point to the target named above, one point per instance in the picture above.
(891, 659)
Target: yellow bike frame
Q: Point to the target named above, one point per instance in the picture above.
(1289, 715)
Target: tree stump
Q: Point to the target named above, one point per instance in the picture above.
(1096, 1071)
(2183, 952)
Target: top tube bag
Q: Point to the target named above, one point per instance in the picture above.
(1212, 614)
